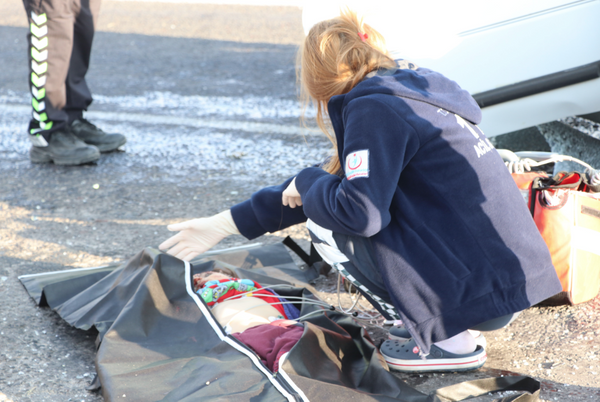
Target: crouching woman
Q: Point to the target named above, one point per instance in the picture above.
(414, 206)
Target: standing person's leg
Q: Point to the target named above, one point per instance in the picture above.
(51, 38)
(79, 96)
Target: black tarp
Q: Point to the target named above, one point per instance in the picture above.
(158, 341)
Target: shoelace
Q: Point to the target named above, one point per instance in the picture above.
(68, 137)
(89, 124)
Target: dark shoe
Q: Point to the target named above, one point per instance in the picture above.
(64, 149)
(92, 135)
(405, 357)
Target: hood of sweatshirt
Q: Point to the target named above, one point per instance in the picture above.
(419, 84)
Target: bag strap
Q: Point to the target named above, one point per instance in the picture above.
(528, 390)
(566, 180)
(312, 260)
(288, 241)
(309, 259)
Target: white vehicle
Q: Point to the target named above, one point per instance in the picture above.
(526, 62)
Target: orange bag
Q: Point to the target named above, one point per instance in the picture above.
(567, 215)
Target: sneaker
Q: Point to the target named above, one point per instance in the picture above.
(92, 135)
(401, 334)
(405, 357)
(64, 149)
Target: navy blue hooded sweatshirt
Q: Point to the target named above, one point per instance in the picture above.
(452, 236)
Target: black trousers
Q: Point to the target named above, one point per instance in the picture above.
(60, 44)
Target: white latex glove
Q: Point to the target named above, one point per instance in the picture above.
(198, 235)
(291, 196)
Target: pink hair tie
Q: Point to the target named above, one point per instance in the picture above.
(363, 36)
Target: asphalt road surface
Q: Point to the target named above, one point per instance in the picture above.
(206, 96)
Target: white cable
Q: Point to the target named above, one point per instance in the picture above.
(309, 314)
(348, 311)
(272, 304)
(262, 305)
(362, 313)
(526, 164)
(308, 301)
(305, 300)
(519, 166)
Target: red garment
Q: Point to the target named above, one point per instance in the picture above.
(271, 341)
(265, 294)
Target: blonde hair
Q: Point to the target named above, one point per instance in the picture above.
(335, 56)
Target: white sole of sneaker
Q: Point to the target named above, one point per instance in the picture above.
(110, 147)
(479, 339)
(467, 363)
